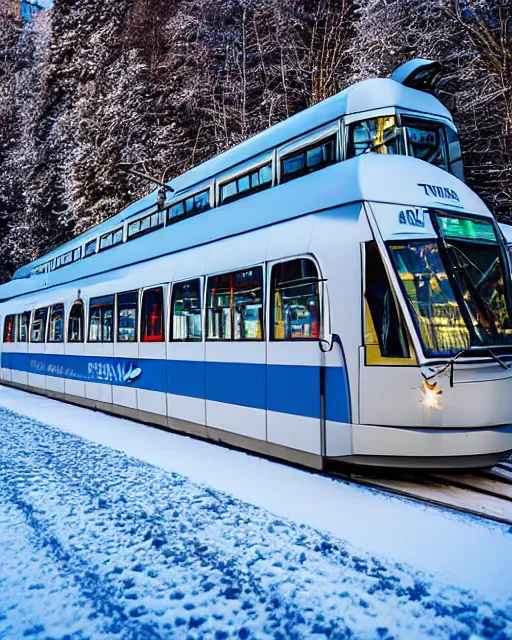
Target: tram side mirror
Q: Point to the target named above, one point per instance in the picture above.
(419, 74)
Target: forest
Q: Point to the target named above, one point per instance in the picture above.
(91, 87)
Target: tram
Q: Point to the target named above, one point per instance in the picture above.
(327, 291)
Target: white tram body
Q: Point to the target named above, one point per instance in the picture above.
(297, 296)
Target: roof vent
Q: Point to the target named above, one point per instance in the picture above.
(418, 74)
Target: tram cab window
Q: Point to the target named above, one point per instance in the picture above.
(76, 322)
(378, 135)
(425, 140)
(295, 313)
(235, 305)
(127, 304)
(384, 323)
(101, 316)
(56, 327)
(23, 325)
(186, 311)
(38, 328)
(9, 328)
(152, 324)
(428, 140)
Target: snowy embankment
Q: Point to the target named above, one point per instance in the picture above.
(182, 539)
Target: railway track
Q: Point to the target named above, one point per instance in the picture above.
(486, 493)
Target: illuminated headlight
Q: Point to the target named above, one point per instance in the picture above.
(431, 395)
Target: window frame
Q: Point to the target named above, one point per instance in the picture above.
(320, 294)
(202, 290)
(117, 317)
(76, 303)
(50, 313)
(207, 337)
(109, 302)
(142, 315)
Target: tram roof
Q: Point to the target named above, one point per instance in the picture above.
(371, 177)
(364, 96)
(368, 95)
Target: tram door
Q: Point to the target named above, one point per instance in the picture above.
(126, 345)
(55, 347)
(293, 355)
(75, 345)
(387, 356)
(185, 349)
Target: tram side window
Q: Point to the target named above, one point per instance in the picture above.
(127, 304)
(146, 224)
(312, 158)
(111, 239)
(295, 300)
(38, 328)
(250, 182)
(23, 325)
(76, 322)
(56, 329)
(90, 248)
(101, 315)
(455, 153)
(152, 325)
(186, 311)
(10, 328)
(388, 328)
(190, 207)
(235, 305)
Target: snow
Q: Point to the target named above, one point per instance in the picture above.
(113, 529)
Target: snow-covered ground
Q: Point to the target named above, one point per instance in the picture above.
(111, 529)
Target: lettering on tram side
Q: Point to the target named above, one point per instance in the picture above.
(413, 217)
(435, 191)
(107, 372)
(55, 370)
(38, 366)
(120, 372)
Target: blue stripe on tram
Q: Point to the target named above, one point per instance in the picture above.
(292, 389)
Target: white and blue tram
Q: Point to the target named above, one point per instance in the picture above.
(329, 290)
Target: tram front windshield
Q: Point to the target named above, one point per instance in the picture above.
(457, 286)
(428, 140)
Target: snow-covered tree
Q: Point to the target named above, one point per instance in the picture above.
(473, 40)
